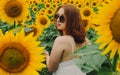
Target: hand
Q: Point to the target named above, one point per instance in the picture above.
(47, 57)
(46, 53)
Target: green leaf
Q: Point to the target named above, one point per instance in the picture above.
(90, 58)
(17, 29)
(48, 36)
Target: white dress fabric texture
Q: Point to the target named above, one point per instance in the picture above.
(68, 67)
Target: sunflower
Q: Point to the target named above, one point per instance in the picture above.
(118, 66)
(87, 23)
(13, 10)
(109, 20)
(41, 12)
(49, 12)
(54, 6)
(42, 20)
(86, 12)
(20, 54)
(47, 5)
(32, 2)
(95, 3)
(28, 17)
(58, 1)
(105, 1)
(36, 29)
(34, 8)
(79, 5)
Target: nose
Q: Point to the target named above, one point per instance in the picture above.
(58, 20)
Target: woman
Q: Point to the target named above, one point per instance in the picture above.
(69, 24)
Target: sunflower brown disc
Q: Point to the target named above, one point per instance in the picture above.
(86, 13)
(14, 60)
(115, 26)
(43, 21)
(13, 8)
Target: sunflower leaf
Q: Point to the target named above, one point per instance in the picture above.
(90, 58)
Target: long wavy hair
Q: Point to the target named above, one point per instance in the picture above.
(74, 24)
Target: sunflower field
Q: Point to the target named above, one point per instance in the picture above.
(27, 30)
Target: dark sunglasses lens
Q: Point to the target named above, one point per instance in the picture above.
(62, 19)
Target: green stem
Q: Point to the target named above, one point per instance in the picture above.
(109, 61)
(115, 62)
(14, 24)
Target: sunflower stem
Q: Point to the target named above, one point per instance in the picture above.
(109, 61)
(14, 24)
(115, 62)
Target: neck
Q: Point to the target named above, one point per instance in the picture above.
(64, 33)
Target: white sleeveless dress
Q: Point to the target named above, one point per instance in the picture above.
(68, 67)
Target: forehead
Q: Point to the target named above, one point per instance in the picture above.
(60, 11)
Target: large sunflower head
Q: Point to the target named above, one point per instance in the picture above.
(20, 54)
(109, 20)
(42, 20)
(13, 10)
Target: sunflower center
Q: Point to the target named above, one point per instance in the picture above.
(119, 65)
(14, 60)
(47, 5)
(13, 8)
(43, 21)
(50, 11)
(115, 26)
(85, 22)
(54, 5)
(94, 4)
(86, 13)
(79, 5)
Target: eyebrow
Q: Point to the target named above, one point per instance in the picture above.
(59, 14)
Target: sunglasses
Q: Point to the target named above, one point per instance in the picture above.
(60, 17)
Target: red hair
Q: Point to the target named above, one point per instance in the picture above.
(74, 24)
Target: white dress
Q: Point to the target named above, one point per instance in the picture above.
(68, 67)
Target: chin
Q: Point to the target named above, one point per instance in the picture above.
(58, 28)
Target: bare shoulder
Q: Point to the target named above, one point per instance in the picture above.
(62, 39)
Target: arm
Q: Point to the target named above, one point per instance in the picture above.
(54, 58)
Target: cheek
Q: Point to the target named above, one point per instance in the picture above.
(63, 26)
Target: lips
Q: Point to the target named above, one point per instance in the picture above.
(58, 24)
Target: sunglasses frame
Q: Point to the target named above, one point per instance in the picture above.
(60, 17)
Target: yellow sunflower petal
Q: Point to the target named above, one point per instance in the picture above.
(18, 50)
(109, 47)
(114, 50)
(13, 11)
(108, 19)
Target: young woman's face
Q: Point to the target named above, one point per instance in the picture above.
(60, 20)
